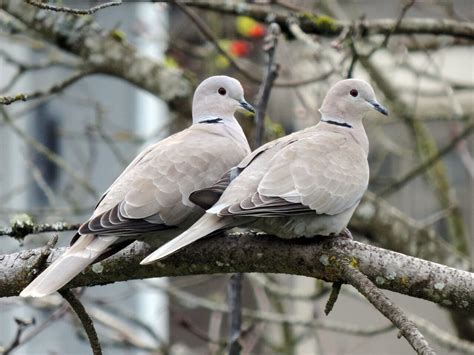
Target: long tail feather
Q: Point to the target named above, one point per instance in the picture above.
(205, 225)
(81, 254)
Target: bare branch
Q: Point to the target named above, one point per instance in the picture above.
(235, 312)
(428, 163)
(21, 326)
(21, 227)
(207, 33)
(442, 337)
(387, 308)
(86, 321)
(187, 299)
(106, 52)
(394, 230)
(271, 74)
(56, 88)
(49, 154)
(89, 11)
(317, 257)
(336, 288)
(327, 26)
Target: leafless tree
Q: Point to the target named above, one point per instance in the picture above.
(413, 228)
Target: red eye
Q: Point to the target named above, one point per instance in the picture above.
(354, 92)
(222, 91)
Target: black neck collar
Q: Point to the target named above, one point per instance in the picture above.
(212, 120)
(340, 124)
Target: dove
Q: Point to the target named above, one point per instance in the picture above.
(151, 196)
(302, 185)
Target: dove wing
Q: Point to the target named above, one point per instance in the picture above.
(152, 194)
(327, 174)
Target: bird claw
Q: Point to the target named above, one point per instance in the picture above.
(346, 233)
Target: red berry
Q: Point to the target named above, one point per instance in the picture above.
(256, 31)
(239, 48)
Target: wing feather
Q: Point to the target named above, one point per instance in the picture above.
(326, 173)
(153, 192)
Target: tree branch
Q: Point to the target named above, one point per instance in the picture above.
(387, 308)
(89, 11)
(54, 89)
(102, 51)
(327, 26)
(271, 73)
(320, 258)
(428, 163)
(86, 321)
(395, 230)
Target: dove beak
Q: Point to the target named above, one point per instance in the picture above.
(246, 106)
(378, 107)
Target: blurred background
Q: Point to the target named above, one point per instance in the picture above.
(61, 150)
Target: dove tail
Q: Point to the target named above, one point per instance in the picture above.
(204, 226)
(75, 259)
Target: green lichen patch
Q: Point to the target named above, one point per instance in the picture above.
(21, 225)
(118, 35)
(323, 24)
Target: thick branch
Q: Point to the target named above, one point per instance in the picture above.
(326, 26)
(393, 229)
(104, 52)
(319, 258)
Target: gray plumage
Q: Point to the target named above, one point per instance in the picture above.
(305, 184)
(151, 196)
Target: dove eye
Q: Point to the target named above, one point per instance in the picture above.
(222, 91)
(354, 92)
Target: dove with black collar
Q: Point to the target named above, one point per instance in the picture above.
(151, 196)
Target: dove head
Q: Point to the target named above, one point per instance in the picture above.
(218, 97)
(348, 101)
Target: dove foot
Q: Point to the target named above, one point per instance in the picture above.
(346, 233)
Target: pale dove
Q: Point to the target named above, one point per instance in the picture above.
(151, 195)
(305, 184)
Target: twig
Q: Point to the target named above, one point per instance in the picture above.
(21, 228)
(271, 74)
(283, 292)
(189, 326)
(58, 87)
(296, 31)
(235, 312)
(404, 11)
(442, 337)
(407, 328)
(45, 252)
(69, 10)
(336, 288)
(330, 27)
(235, 283)
(428, 162)
(189, 299)
(22, 67)
(57, 314)
(207, 33)
(21, 326)
(49, 154)
(86, 321)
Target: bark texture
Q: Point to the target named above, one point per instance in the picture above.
(321, 258)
